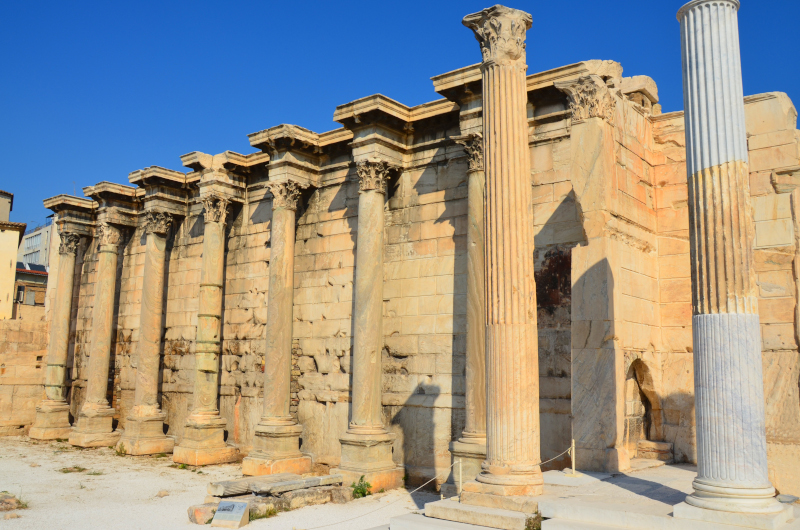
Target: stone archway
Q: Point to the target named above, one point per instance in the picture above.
(643, 413)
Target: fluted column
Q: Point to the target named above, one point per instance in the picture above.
(93, 427)
(203, 439)
(52, 414)
(367, 445)
(470, 448)
(729, 393)
(276, 447)
(144, 430)
(512, 373)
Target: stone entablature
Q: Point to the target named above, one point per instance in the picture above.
(611, 259)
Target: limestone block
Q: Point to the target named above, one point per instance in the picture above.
(769, 112)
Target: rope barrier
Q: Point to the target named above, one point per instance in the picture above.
(569, 450)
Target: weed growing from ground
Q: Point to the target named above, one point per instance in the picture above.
(361, 488)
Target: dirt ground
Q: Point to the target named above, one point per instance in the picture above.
(66, 487)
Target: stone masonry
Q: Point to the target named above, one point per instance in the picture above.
(610, 254)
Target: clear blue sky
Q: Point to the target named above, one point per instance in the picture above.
(94, 90)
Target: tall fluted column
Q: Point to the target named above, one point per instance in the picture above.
(52, 413)
(144, 430)
(203, 439)
(276, 447)
(470, 449)
(512, 371)
(93, 427)
(367, 445)
(729, 392)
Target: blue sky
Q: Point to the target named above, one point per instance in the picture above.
(94, 90)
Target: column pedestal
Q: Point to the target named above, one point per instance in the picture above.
(367, 445)
(203, 443)
(94, 424)
(276, 447)
(52, 421)
(52, 414)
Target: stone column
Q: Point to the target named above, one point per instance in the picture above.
(728, 383)
(471, 446)
(367, 445)
(203, 440)
(52, 413)
(144, 430)
(512, 372)
(93, 427)
(276, 447)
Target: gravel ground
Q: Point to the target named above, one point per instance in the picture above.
(117, 492)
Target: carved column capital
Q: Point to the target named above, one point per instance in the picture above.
(473, 145)
(589, 97)
(69, 243)
(285, 194)
(216, 208)
(500, 31)
(158, 222)
(108, 234)
(373, 174)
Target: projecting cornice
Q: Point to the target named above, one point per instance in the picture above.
(75, 214)
(165, 190)
(117, 203)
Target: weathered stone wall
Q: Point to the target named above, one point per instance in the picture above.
(23, 352)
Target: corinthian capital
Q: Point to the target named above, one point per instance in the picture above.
(158, 223)
(589, 97)
(69, 243)
(500, 31)
(373, 174)
(216, 208)
(285, 194)
(473, 145)
(108, 234)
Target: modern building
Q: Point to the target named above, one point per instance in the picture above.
(10, 238)
(36, 244)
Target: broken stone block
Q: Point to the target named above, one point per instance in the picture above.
(8, 502)
(306, 497)
(277, 488)
(202, 513)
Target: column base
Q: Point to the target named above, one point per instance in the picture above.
(145, 436)
(258, 463)
(722, 497)
(94, 427)
(276, 449)
(52, 421)
(204, 444)
(514, 498)
(370, 455)
(472, 456)
(761, 521)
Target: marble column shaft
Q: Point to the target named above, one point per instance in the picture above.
(276, 447)
(203, 439)
(93, 427)
(475, 420)
(144, 428)
(368, 318)
(52, 414)
(512, 372)
(732, 470)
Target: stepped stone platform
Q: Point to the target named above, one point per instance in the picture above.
(640, 498)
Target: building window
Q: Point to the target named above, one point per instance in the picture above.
(32, 257)
(33, 241)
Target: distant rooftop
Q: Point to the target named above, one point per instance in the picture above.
(32, 268)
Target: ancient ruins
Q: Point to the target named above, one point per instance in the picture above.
(529, 259)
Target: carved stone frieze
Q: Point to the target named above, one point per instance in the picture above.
(473, 145)
(158, 222)
(216, 208)
(69, 243)
(285, 194)
(373, 173)
(108, 234)
(589, 97)
(500, 31)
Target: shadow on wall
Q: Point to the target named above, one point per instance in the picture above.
(418, 428)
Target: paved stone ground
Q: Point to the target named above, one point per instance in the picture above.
(117, 492)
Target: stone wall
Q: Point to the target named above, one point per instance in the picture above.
(23, 352)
